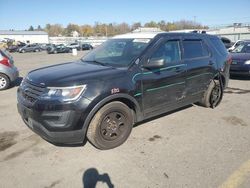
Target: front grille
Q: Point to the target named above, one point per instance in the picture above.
(31, 92)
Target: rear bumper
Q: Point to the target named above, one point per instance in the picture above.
(12, 73)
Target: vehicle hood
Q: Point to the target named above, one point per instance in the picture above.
(72, 73)
(240, 56)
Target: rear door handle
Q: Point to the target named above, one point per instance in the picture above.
(211, 63)
(179, 69)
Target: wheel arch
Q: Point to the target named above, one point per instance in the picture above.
(3, 73)
(223, 79)
(124, 98)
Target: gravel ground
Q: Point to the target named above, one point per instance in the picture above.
(192, 147)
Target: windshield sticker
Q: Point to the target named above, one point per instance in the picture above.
(141, 40)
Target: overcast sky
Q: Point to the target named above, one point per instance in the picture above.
(18, 15)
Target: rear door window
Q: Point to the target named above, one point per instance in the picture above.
(194, 49)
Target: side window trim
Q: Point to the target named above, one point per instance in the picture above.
(164, 41)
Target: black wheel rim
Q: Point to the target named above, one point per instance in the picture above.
(215, 95)
(113, 126)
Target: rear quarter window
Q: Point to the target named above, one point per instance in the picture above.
(219, 46)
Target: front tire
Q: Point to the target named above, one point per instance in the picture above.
(4, 82)
(110, 126)
(213, 95)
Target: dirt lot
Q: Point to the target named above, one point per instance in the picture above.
(193, 147)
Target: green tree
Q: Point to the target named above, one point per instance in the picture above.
(136, 25)
(54, 30)
(86, 30)
(31, 28)
(151, 24)
(70, 28)
(39, 28)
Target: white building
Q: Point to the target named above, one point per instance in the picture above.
(233, 33)
(147, 29)
(26, 36)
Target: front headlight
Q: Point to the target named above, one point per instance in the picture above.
(64, 93)
(247, 62)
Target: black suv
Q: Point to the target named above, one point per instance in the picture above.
(87, 47)
(127, 79)
(61, 48)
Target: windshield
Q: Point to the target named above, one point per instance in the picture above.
(242, 48)
(117, 52)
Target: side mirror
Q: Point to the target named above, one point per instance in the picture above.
(155, 63)
(230, 50)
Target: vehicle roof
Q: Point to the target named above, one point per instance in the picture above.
(150, 35)
(142, 35)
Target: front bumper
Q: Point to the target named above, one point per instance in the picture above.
(240, 72)
(240, 69)
(34, 120)
(55, 127)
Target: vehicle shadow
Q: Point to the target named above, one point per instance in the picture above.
(162, 115)
(71, 145)
(91, 177)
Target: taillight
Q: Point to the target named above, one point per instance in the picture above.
(5, 61)
(229, 60)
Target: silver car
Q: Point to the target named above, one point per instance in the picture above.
(8, 72)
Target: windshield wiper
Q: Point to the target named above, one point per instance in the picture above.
(94, 61)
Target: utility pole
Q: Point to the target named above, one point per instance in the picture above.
(194, 21)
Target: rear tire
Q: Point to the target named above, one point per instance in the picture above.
(212, 96)
(110, 126)
(4, 82)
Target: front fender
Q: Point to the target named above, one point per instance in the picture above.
(119, 97)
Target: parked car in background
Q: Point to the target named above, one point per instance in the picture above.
(241, 59)
(45, 46)
(8, 72)
(30, 48)
(74, 45)
(227, 42)
(235, 45)
(15, 48)
(87, 47)
(61, 48)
